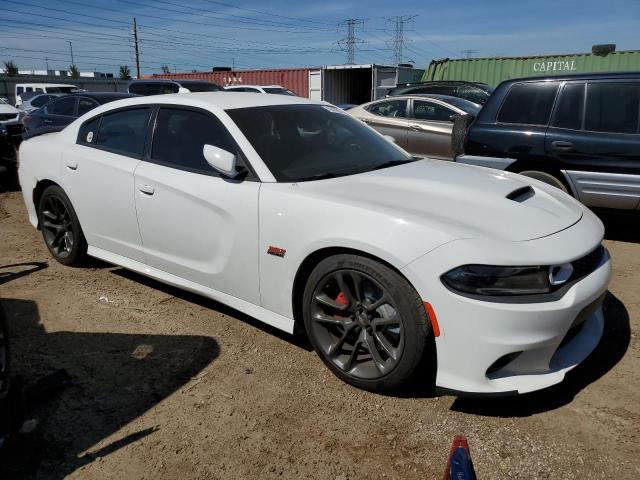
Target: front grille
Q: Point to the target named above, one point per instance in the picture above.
(587, 264)
(14, 129)
(4, 117)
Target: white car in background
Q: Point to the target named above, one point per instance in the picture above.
(273, 89)
(11, 118)
(296, 213)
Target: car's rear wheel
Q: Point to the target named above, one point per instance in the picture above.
(60, 227)
(365, 321)
(546, 178)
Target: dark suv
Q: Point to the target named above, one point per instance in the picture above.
(580, 133)
(475, 92)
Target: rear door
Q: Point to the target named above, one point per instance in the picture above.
(594, 136)
(389, 117)
(60, 112)
(98, 177)
(194, 223)
(430, 129)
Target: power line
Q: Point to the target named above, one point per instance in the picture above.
(349, 42)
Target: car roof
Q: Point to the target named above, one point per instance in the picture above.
(222, 100)
(255, 86)
(99, 95)
(180, 81)
(441, 82)
(435, 96)
(578, 76)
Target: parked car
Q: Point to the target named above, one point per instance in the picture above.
(11, 119)
(160, 86)
(64, 110)
(37, 101)
(475, 92)
(294, 212)
(27, 90)
(275, 89)
(8, 157)
(421, 124)
(580, 133)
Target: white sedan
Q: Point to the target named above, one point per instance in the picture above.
(295, 213)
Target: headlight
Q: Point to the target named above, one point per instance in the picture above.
(494, 280)
(3, 130)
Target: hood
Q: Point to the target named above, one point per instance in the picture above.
(463, 200)
(5, 109)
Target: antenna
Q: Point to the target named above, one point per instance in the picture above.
(349, 42)
(398, 40)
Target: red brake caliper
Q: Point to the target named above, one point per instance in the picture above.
(340, 300)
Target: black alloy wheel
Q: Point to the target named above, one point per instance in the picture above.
(365, 321)
(60, 227)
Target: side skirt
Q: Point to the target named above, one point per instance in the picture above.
(256, 311)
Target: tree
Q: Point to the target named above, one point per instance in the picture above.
(11, 69)
(125, 73)
(165, 69)
(74, 72)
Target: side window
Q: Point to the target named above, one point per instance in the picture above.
(85, 105)
(20, 90)
(570, 107)
(41, 100)
(180, 136)
(389, 108)
(528, 103)
(612, 107)
(88, 132)
(434, 112)
(64, 106)
(124, 132)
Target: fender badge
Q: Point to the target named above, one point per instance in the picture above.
(278, 252)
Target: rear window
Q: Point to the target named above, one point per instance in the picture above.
(612, 107)
(124, 132)
(202, 87)
(278, 91)
(153, 88)
(528, 103)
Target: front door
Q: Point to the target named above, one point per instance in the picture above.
(430, 128)
(389, 117)
(194, 223)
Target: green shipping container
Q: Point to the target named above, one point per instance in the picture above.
(494, 70)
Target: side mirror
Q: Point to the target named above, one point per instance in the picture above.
(221, 160)
(452, 118)
(390, 138)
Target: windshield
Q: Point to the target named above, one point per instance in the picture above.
(278, 91)
(202, 87)
(308, 142)
(465, 105)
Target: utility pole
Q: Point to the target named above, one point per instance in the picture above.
(71, 49)
(398, 40)
(349, 42)
(46, 59)
(135, 40)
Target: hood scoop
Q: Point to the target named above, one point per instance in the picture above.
(521, 194)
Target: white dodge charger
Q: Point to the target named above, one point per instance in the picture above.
(297, 214)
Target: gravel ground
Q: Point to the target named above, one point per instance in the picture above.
(165, 384)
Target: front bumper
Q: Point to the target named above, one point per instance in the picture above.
(550, 337)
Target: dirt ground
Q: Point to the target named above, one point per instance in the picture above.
(165, 384)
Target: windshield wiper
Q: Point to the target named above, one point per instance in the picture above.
(320, 176)
(393, 163)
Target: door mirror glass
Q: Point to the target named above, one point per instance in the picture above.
(221, 160)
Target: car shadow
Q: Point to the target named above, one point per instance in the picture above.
(620, 227)
(299, 339)
(612, 347)
(110, 379)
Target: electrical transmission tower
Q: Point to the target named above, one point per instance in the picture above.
(350, 42)
(398, 40)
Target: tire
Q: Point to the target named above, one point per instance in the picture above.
(60, 227)
(546, 178)
(372, 337)
(459, 134)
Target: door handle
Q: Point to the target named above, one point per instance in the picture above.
(147, 189)
(71, 165)
(415, 128)
(560, 145)
(46, 120)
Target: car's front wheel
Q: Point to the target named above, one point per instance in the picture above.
(60, 227)
(365, 321)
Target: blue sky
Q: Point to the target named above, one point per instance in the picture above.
(200, 34)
